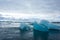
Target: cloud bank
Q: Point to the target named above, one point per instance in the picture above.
(49, 7)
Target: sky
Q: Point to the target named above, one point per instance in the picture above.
(30, 8)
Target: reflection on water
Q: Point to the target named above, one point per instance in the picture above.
(13, 33)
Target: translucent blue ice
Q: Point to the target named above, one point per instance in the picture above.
(44, 25)
(24, 27)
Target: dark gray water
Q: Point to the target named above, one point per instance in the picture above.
(13, 33)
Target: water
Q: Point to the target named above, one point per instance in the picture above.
(13, 33)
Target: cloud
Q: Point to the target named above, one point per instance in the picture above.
(30, 6)
(45, 7)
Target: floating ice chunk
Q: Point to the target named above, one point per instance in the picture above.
(24, 26)
(39, 27)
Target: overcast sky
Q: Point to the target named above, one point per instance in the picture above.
(42, 7)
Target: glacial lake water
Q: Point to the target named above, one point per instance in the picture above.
(10, 31)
